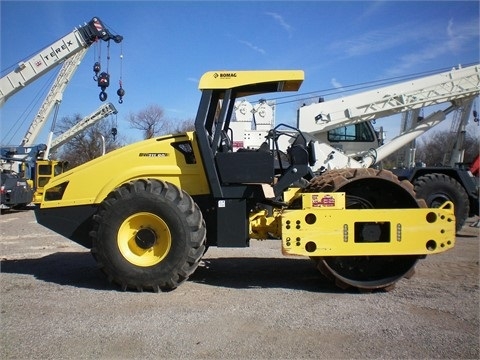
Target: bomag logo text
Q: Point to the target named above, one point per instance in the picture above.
(228, 75)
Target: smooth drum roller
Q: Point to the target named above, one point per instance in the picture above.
(367, 189)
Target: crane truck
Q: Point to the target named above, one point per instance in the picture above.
(148, 211)
(68, 51)
(35, 169)
(343, 135)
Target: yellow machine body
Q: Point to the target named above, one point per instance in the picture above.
(334, 232)
(324, 227)
(156, 158)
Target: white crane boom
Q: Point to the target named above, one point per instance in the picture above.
(39, 64)
(53, 55)
(413, 94)
(102, 112)
(54, 97)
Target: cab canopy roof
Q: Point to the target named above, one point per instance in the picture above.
(252, 82)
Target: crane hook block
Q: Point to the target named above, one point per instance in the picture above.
(103, 96)
(104, 81)
(121, 94)
(96, 70)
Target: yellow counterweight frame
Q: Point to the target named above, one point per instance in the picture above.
(324, 227)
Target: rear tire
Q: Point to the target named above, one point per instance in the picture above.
(148, 235)
(437, 188)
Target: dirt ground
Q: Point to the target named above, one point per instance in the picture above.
(240, 304)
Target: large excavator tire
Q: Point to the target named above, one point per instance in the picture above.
(374, 189)
(148, 235)
(437, 188)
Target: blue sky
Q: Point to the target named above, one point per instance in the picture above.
(168, 45)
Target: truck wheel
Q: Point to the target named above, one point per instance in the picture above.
(437, 188)
(148, 235)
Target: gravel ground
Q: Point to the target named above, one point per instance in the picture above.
(240, 304)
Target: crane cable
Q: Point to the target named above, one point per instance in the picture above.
(103, 80)
(475, 113)
(97, 66)
(120, 91)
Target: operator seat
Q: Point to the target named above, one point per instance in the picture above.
(225, 143)
(243, 166)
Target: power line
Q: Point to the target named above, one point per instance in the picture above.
(298, 97)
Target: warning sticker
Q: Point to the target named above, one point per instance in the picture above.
(323, 201)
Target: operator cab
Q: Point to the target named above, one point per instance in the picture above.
(233, 174)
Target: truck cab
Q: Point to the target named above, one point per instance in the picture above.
(353, 140)
(15, 192)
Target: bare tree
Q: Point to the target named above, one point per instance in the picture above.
(432, 150)
(183, 126)
(150, 121)
(87, 144)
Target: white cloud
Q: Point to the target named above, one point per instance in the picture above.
(459, 35)
(415, 43)
(336, 84)
(281, 21)
(253, 47)
(453, 40)
(372, 8)
(375, 41)
(450, 28)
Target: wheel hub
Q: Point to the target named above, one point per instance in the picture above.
(436, 200)
(145, 238)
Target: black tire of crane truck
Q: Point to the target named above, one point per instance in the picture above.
(437, 188)
(148, 235)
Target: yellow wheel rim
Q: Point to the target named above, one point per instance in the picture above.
(144, 239)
